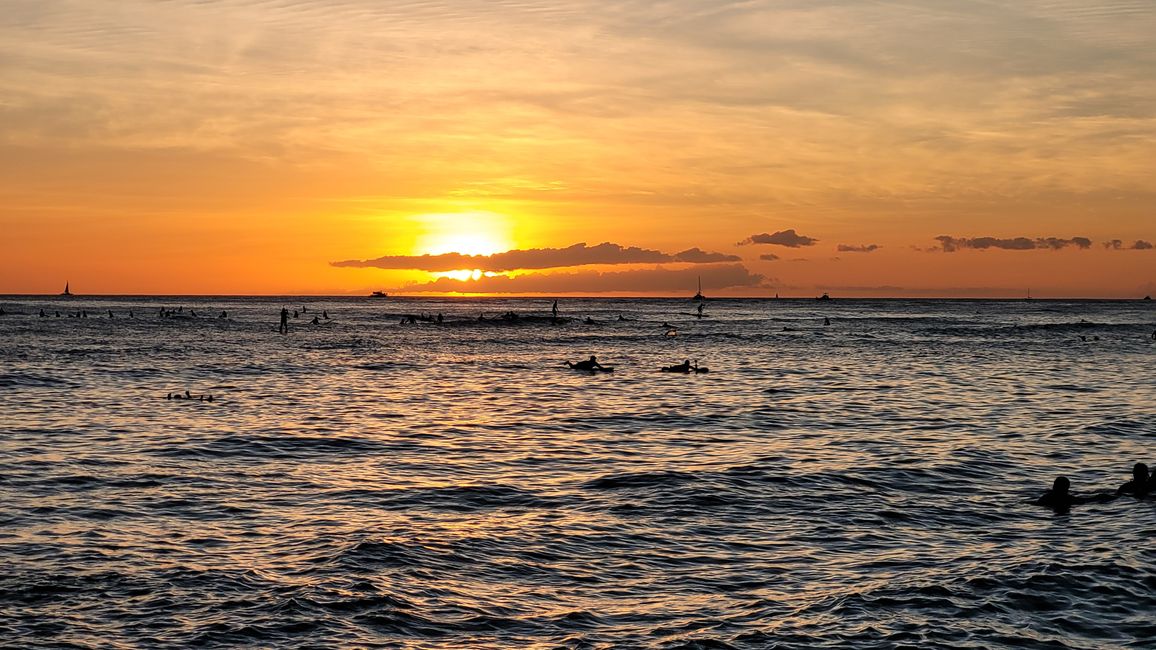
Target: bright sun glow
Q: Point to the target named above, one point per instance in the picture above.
(469, 233)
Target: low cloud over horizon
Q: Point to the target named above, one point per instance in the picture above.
(714, 277)
(788, 238)
(539, 258)
(949, 244)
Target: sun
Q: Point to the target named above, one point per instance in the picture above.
(468, 233)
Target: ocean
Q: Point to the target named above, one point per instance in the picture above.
(365, 483)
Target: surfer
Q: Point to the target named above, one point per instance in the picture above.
(700, 310)
(554, 309)
(591, 364)
(826, 321)
(1060, 499)
(683, 367)
(1140, 485)
(284, 329)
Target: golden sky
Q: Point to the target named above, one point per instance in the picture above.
(922, 147)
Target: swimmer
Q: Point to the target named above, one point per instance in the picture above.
(826, 321)
(110, 315)
(683, 367)
(1140, 485)
(42, 314)
(315, 321)
(1060, 499)
(700, 306)
(591, 364)
(590, 321)
(223, 314)
(325, 314)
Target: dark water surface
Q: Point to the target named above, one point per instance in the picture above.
(367, 484)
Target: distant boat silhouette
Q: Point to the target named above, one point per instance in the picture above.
(1147, 297)
(379, 294)
(698, 297)
(823, 297)
(66, 291)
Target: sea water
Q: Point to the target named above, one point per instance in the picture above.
(366, 483)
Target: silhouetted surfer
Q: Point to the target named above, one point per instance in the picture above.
(826, 321)
(1060, 499)
(700, 310)
(1140, 485)
(591, 364)
(683, 367)
(284, 329)
(554, 310)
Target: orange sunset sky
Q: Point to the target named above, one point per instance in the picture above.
(900, 148)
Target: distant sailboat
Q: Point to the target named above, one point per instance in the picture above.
(824, 297)
(379, 294)
(66, 291)
(698, 296)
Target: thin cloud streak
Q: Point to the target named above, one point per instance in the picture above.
(717, 277)
(949, 244)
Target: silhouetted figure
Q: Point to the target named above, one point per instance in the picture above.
(58, 314)
(589, 321)
(591, 364)
(295, 314)
(325, 314)
(304, 309)
(130, 314)
(42, 314)
(700, 310)
(110, 314)
(193, 313)
(1060, 499)
(223, 314)
(284, 329)
(440, 319)
(315, 321)
(554, 311)
(683, 367)
(621, 317)
(84, 313)
(826, 321)
(1140, 485)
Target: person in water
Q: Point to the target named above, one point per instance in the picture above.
(1140, 485)
(554, 310)
(683, 367)
(591, 364)
(284, 329)
(1060, 499)
(700, 310)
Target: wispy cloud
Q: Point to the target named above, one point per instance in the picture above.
(769, 257)
(539, 258)
(949, 244)
(788, 238)
(866, 248)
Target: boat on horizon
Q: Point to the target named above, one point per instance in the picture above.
(379, 294)
(66, 292)
(825, 296)
(698, 297)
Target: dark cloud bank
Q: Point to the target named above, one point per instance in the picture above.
(539, 258)
(788, 238)
(720, 276)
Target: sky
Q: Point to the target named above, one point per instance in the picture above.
(792, 147)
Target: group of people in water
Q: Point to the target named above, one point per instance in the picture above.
(189, 396)
(1061, 499)
(283, 328)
